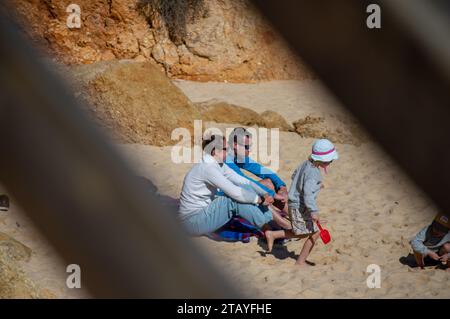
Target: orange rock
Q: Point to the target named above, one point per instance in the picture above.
(213, 40)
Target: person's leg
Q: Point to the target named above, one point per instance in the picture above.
(282, 222)
(272, 235)
(276, 217)
(445, 249)
(258, 216)
(211, 218)
(220, 211)
(306, 250)
(419, 259)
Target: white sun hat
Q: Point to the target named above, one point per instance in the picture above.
(323, 150)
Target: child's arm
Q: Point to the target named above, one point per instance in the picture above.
(417, 242)
(310, 188)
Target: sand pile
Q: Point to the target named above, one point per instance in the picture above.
(339, 130)
(274, 120)
(307, 106)
(223, 112)
(139, 104)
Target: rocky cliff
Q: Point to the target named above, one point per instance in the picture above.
(218, 40)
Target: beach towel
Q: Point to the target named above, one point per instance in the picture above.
(237, 229)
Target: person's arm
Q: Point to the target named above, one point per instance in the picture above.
(417, 242)
(216, 178)
(310, 188)
(236, 179)
(232, 165)
(238, 171)
(262, 172)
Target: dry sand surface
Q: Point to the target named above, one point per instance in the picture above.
(371, 208)
(372, 211)
(44, 272)
(307, 106)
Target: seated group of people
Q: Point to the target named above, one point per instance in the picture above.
(216, 190)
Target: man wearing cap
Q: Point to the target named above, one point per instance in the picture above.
(433, 242)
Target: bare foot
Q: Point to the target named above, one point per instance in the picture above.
(270, 239)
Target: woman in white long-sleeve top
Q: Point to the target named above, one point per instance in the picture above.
(202, 213)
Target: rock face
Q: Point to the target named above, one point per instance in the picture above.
(221, 40)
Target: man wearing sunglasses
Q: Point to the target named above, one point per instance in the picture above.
(240, 142)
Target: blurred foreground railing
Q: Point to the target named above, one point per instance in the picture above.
(82, 195)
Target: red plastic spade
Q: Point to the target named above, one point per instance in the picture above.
(324, 234)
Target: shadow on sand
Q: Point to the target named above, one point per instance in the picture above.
(166, 201)
(410, 261)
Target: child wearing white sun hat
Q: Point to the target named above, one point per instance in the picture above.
(305, 186)
(323, 151)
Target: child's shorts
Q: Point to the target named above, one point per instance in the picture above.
(301, 221)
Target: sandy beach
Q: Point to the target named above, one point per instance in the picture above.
(150, 73)
(45, 271)
(372, 209)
